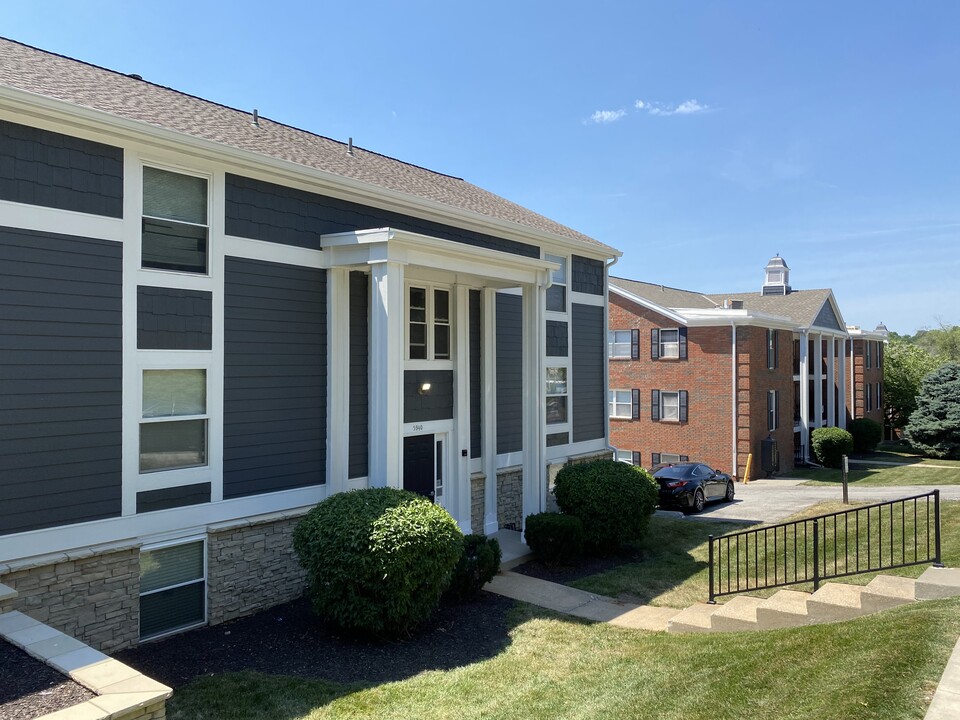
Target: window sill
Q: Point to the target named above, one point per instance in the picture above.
(670, 422)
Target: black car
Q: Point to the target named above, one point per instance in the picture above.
(689, 486)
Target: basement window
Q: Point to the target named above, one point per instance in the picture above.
(173, 588)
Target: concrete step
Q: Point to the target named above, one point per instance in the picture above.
(938, 583)
(786, 608)
(887, 591)
(834, 602)
(739, 613)
(696, 618)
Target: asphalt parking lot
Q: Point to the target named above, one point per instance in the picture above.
(770, 501)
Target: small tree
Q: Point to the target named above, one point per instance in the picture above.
(904, 367)
(934, 427)
(830, 444)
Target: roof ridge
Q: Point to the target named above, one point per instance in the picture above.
(668, 287)
(138, 78)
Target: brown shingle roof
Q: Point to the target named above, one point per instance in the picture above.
(72, 81)
(664, 296)
(799, 306)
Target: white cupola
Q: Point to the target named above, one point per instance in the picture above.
(776, 280)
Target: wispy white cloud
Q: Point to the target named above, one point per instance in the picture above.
(687, 107)
(602, 117)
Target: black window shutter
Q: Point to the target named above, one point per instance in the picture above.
(654, 404)
(684, 458)
(634, 344)
(771, 410)
(776, 349)
(635, 403)
(636, 458)
(682, 333)
(655, 457)
(683, 406)
(654, 343)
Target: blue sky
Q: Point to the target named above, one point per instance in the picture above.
(699, 138)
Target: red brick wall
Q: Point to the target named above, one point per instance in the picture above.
(863, 376)
(706, 376)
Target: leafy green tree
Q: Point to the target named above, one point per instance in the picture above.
(934, 427)
(904, 366)
(943, 341)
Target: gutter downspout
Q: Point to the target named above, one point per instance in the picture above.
(733, 397)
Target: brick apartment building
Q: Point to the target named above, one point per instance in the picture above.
(710, 377)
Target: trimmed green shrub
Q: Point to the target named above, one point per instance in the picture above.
(613, 500)
(478, 563)
(377, 560)
(555, 539)
(866, 433)
(829, 444)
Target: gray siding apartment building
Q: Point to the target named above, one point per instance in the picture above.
(210, 321)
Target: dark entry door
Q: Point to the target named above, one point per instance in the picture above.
(419, 474)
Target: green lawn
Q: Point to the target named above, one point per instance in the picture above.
(880, 475)
(674, 571)
(885, 666)
(901, 452)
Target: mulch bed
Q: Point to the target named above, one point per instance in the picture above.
(290, 640)
(30, 688)
(590, 565)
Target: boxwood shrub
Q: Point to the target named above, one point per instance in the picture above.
(377, 560)
(866, 433)
(829, 444)
(478, 563)
(613, 500)
(555, 539)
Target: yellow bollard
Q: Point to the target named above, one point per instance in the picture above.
(746, 472)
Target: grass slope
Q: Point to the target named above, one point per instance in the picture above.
(881, 476)
(885, 666)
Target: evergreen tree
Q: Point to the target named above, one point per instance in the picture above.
(934, 427)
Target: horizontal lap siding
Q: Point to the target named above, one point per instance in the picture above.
(509, 373)
(359, 375)
(476, 376)
(264, 211)
(589, 393)
(275, 377)
(60, 380)
(39, 167)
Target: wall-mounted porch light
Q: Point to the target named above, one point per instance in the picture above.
(424, 388)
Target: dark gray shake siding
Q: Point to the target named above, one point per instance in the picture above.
(264, 211)
(60, 379)
(433, 404)
(39, 167)
(589, 393)
(174, 497)
(171, 319)
(509, 373)
(587, 275)
(827, 318)
(557, 338)
(359, 452)
(275, 377)
(476, 361)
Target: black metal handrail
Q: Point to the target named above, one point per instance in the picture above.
(882, 536)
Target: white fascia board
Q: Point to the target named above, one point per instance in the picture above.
(643, 302)
(857, 332)
(697, 317)
(388, 244)
(92, 120)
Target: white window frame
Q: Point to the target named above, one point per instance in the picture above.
(431, 323)
(208, 177)
(669, 458)
(613, 344)
(614, 403)
(674, 345)
(624, 456)
(559, 278)
(663, 406)
(205, 579)
(205, 417)
(554, 427)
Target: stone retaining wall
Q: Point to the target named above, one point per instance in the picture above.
(510, 498)
(477, 495)
(91, 595)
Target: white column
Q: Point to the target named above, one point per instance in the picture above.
(489, 406)
(534, 470)
(805, 394)
(818, 381)
(338, 378)
(459, 482)
(842, 404)
(831, 382)
(386, 373)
